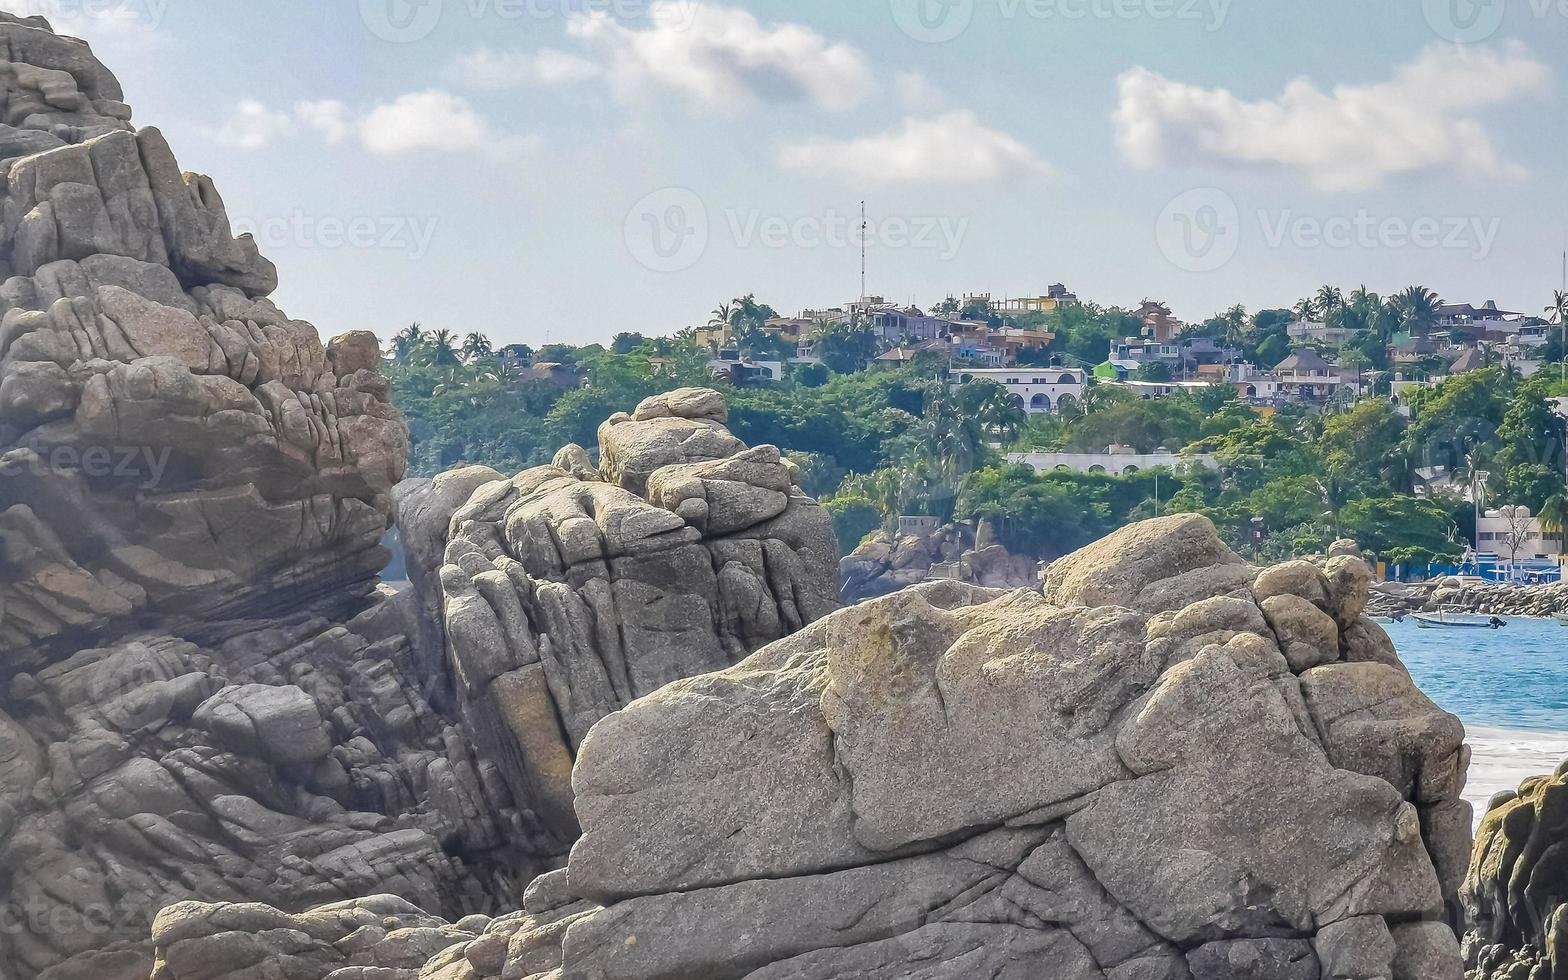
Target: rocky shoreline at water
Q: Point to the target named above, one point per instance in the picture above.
(1490, 599)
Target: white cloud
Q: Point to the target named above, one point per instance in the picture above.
(253, 126)
(1349, 138)
(433, 120)
(329, 117)
(118, 32)
(917, 92)
(724, 59)
(487, 69)
(951, 148)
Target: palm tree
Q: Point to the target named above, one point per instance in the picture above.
(1418, 307)
(1235, 323)
(1329, 299)
(406, 341)
(1306, 310)
(1335, 492)
(438, 350)
(1554, 517)
(477, 346)
(1558, 311)
(1000, 415)
(722, 316)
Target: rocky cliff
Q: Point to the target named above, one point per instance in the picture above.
(1516, 894)
(1169, 766)
(204, 695)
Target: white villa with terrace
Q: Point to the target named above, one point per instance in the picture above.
(1043, 390)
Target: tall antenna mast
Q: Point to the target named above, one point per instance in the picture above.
(863, 293)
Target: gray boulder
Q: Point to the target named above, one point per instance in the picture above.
(953, 782)
(568, 593)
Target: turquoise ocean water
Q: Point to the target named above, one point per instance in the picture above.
(1509, 687)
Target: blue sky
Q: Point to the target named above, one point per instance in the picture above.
(567, 169)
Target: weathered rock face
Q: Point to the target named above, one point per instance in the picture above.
(567, 592)
(953, 782)
(1516, 894)
(202, 694)
(886, 562)
(169, 439)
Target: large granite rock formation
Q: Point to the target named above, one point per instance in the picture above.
(204, 695)
(1516, 894)
(1168, 767)
(569, 591)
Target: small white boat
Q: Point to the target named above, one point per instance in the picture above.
(1457, 619)
(1561, 618)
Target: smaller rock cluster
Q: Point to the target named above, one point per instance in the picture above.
(887, 561)
(1501, 599)
(1516, 893)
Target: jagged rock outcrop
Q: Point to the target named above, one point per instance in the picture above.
(204, 695)
(202, 692)
(1516, 893)
(886, 562)
(1168, 767)
(569, 591)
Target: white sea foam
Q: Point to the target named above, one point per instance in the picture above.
(1504, 757)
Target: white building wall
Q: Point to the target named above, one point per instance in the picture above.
(1114, 463)
(1040, 389)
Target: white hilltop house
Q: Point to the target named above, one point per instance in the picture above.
(1043, 390)
(1116, 460)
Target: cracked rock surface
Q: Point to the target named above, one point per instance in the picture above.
(1516, 894)
(568, 592)
(204, 694)
(1123, 779)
